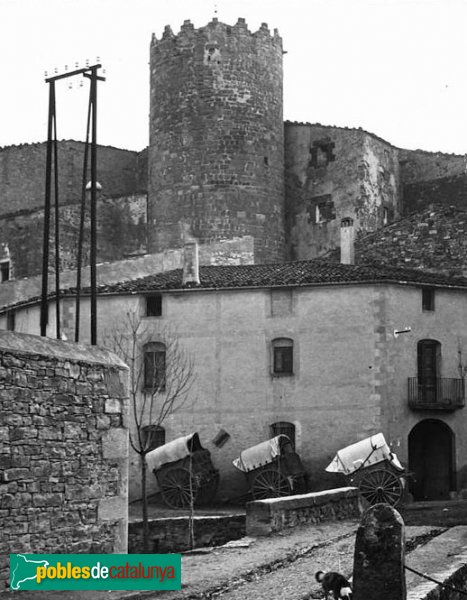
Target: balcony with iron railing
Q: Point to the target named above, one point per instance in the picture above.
(441, 393)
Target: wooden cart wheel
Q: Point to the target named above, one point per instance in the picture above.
(176, 489)
(270, 484)
(381, 486)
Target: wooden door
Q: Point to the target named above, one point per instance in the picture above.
(428, 360)
(431, 460)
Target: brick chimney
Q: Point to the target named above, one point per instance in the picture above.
(347, 241)
(190, 263)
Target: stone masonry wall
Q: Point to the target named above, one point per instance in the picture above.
(264, 517)
(216, 154)
(430, 177)
(433, 240)
(173, 534)
(332, 173)
(450, 190)
(121, 231)
(238, 251)
(419, 165)
(63, 448)
(22, 174)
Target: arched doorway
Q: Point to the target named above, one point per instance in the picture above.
(431, 460)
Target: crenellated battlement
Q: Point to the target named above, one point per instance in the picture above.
(217, 28)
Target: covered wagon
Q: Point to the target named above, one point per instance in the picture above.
(184, 472)
(373, 468)
(272, 468)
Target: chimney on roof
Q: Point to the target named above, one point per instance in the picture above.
(347, 242)
(190, 263)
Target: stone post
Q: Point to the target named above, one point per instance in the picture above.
(379, 555)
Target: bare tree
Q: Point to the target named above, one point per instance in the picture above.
(161, 376)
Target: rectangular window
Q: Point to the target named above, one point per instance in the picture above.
(153, 436)
(10, 320)
(4, 271)
(285, 428)
(154, 370)
(428, 299)
(283, 359)
(154, 305)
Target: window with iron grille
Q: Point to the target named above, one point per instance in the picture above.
(283, 427)
(428, 299)
(282, 349)
(153, 437)
(154, 305)
(154, 366)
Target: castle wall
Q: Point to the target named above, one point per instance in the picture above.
(238, 251)
(121, 231)
(333, 173)
(451, 190)
(22, 174)
(142, 171)
(419, 165)
(216, 137)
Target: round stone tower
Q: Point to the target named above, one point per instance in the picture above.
(216, 149)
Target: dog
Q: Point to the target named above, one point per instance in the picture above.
(335, 584)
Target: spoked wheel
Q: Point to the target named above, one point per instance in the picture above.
(381, 486)
(176, 489)
(270, 484)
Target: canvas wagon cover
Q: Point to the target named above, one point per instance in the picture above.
(261, 454)
(170, 452)
(367, 452)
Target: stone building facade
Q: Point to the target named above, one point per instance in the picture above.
(331, 174)
(348, 376)
(222, 164)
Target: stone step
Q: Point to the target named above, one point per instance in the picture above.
(441, 513)
(443, 558)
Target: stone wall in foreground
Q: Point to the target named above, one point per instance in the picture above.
(63, 448)
(264, 517)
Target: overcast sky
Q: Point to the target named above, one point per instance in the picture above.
(397, 68)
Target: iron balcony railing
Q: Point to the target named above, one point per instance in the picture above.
(438, 393)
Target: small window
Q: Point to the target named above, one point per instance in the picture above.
(282, 356)
(385, 215)
(154, 367)
(4, 271)
(283, 427)
(153, 437)
(428, 299)
(10, 320)
(154, 305)
(322, 153)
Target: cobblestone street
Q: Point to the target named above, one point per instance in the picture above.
(267, 568)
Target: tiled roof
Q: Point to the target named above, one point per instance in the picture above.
(289, 274)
